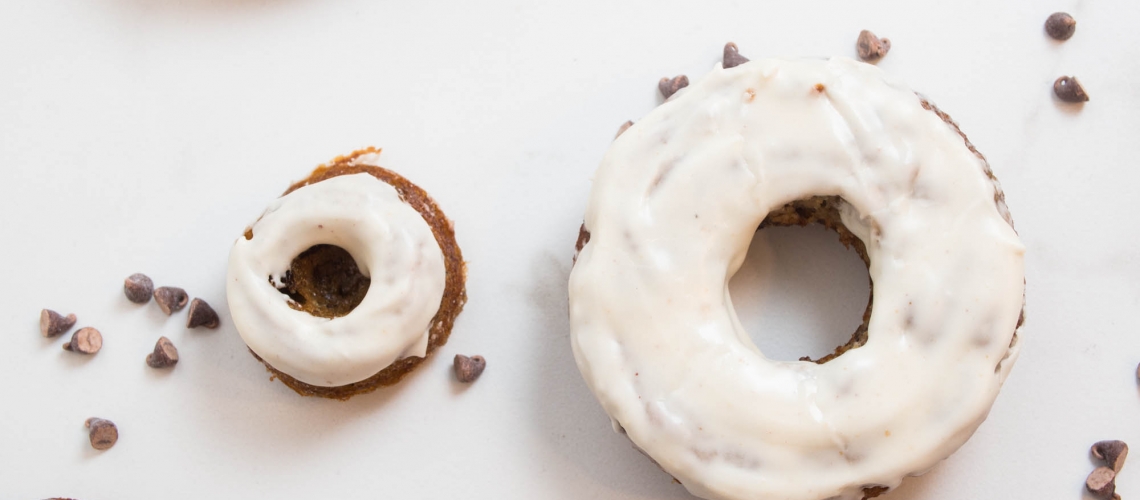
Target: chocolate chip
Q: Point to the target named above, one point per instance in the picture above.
(1113, 453)
(732, 57)
(874, 491)
(170, 299)
(1102, 482)
(871, 47)
(201, 314)
(668, 86)
(1060, 26)
(103, 433)
(1068, 89)
(625, 126)
(53, 323)
(467, 369)
(138, 287)
(85, 341)
(164, 355)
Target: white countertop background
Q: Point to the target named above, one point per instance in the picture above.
(143, 135)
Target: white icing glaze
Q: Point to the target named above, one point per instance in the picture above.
(390, 242)
(673, 209)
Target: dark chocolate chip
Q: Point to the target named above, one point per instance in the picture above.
(138, 287)
(103, 433)
(668, 86)
(201, 314)
(871, 47)
(874, 491)
(1102, 483)
(467, 369)
(170, 299)
(86, 340)
(1113, 452)
(53, 323)
(732, 57)
(625, 126)
(1060, 26)
(1068, 89)
(164, 355)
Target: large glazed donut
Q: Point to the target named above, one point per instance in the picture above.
(348, 281)
(674, 206)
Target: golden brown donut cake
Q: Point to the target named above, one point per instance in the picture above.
(824, 210)
(324, 280)
(786, 142)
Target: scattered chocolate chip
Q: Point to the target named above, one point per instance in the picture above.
(53, 323)
(668, 86)
(467, 369)
(201, 314)
(138, 287)
(1060, 26)
(625, 126)
(874, 491)
(732, 57)
(164, 355)
(170, 299)
(1068, 89)
(871, 47)
(1113, 453)
(1102, 483)
(86, 340)
(103, 433)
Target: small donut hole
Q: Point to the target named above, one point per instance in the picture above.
(324, 281)
(800, 292)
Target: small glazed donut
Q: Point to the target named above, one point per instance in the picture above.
(673, 208)
(348, 281)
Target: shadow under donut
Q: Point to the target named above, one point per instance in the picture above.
(572, 423)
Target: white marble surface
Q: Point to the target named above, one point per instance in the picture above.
(143, 135)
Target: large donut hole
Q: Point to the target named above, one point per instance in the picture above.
(324, 281)
(800, 293)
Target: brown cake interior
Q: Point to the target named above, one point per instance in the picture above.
(325, 281)
(825, 210)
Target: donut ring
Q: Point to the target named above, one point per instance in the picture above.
(248, 310)
(672, 211)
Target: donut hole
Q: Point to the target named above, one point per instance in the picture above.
(802, 291)
(324, 281)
